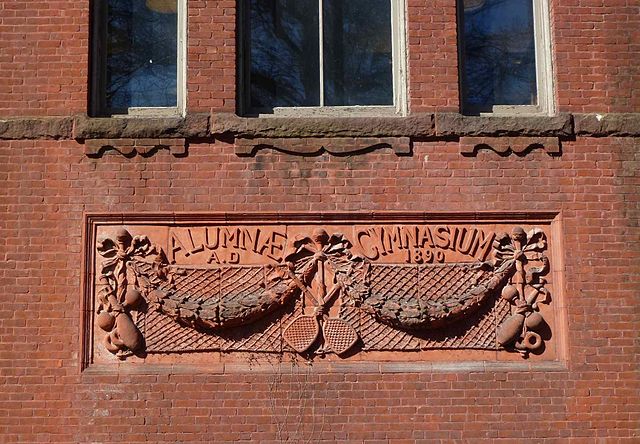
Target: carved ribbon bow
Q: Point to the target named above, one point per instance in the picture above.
(519, 250)
(117, 296)
(313, 256)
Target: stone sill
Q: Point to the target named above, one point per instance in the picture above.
(328, 368)
(339, 136)
(416, 126)
(228, 126)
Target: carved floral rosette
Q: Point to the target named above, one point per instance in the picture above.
(320, 272)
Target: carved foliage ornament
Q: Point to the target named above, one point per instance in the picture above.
(323, 275)
(519, 252)
(119, 289)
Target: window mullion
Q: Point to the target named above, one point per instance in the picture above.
(321, 43)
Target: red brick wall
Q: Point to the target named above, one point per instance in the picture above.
(596, 47)
(433, 74)
(211, 57)
(46, 186)
(44, 56)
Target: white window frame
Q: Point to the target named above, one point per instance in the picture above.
(99, 59)
(399, 66)
(544, 67)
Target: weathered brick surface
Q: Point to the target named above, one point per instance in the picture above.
(596, 45)
(211, 77)
(433, 74)
(43, 57)
(48, 184)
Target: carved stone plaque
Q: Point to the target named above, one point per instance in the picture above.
(333, 286)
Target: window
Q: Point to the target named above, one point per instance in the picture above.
(137, 63)
(504, 58)
(322, 56)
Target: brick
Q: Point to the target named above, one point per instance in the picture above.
(48, 185)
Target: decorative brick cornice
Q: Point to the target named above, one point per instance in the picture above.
(469, 146)
(314, 146)
(131, 147)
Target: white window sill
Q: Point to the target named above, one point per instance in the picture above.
(517, 110)
(149, 112)
(332, 111)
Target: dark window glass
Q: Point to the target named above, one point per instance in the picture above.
(285, 67)
(498, 54)
(358, 66)
(141, 54)
(285, 53)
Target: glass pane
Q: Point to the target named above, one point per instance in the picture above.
(358, 67)
(498, 57)
(284, 53)
(141, 54)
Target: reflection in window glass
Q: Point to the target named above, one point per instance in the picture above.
(141, 54)
(357, 52)
(285, 67)
(289, 66)
(498, 54)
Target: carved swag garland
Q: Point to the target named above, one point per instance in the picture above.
(136, 277)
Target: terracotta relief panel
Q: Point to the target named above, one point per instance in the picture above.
(331, 286)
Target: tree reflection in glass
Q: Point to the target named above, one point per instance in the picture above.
(357, 52)
(498, 54)
(285, 68)
(287, 65)
(141, 65)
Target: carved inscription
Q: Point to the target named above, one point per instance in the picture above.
(321, 289)
(225, 245)
(424, 244)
